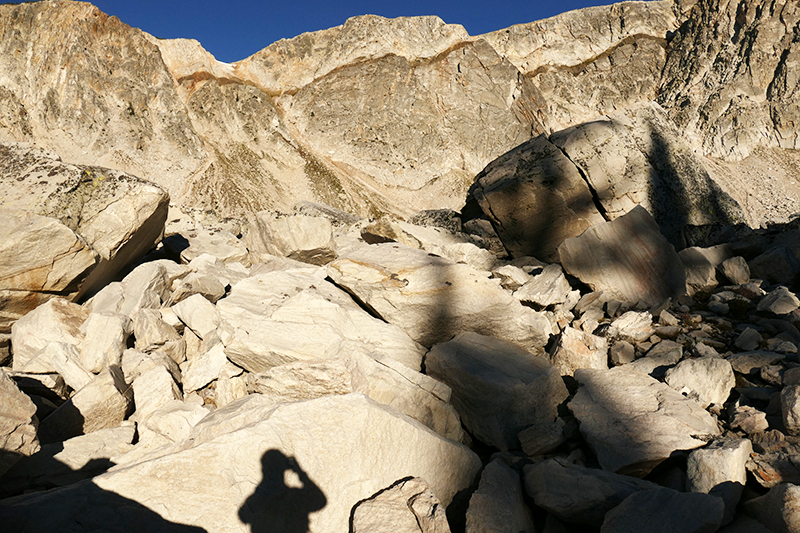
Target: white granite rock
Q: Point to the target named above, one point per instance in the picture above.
(628, 258)
(498, 505)
(296, 465)
(106, 336)
(304, 238)
(18, 424)
(198, 314)
(719, 469)
(55, 321)
(549, 287)
(709, 380)
(498, 389)
(408, 506)
(576, 349)
(576, 493)
(101, 404)
(634, 422)
(432, 298)
(664, 510)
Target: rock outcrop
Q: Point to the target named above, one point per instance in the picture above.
(71, 229)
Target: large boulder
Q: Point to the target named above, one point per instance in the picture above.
(634, 422)
(535, 198)
(638, 157)
(627, 258)
(87, 224)
(498, 389)
(433, 299)
(291, 467)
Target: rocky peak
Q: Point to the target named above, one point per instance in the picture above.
(290, 64)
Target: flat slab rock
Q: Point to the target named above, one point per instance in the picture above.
(292, 467)
(498, 389)
(628, 259)
(433, 298)
(634, 422)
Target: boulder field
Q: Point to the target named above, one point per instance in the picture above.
(391, 277)
(313, 371)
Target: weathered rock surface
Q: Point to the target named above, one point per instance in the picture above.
(633, 422)
(778, 509)
(18, 424)
(498, 505)
(498, 388)
(665, 510)
(626, 258)
(103, 403)
(720, 470)
(578, 494)
(115, 218)
(577, 349)
(707, 379)
(408, 506)
(283, 452)
(432, 298)
(535, 198)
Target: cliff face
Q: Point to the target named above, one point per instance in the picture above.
(393, 116)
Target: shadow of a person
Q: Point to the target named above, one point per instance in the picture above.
(283, 500)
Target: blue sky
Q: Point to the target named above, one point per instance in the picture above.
(235, 29)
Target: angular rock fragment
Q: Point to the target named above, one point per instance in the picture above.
(55, 321)
(576, 349)
(633, 422)
(433, 299)
(779, 301)
(498, 389)
(709, 380)
(720, 470)
(700, 270)
(735, 269)
(626, 258)
(779, 509)
(408, 506)
(106, 336)
(198, 314)
(280, 317)
(306, 239)
(103, 403)
(578, 494)
(269, 464)
(73, 460)
(18, 424)
(542, 438)
(665, 511)
(549, 287)
(116, 216)
(790, 409)
(777, 265)
(779, 465)
(513, 189)
(41, 256)
(749, 419)
(498, 505)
